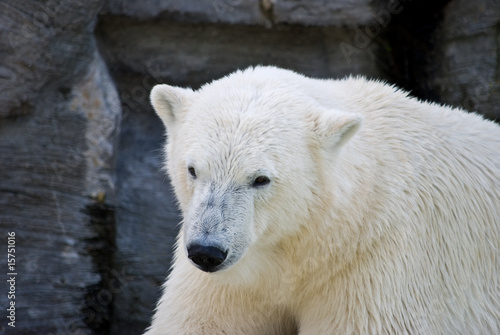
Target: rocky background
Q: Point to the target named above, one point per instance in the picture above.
(80, 148)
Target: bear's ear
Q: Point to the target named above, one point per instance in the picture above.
(168, 101)
(334, 128)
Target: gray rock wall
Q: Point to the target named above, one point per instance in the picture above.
(469, 73)
(59, 116)
(81, 183)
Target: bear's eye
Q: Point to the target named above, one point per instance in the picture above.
(261, 181)
(192, 172)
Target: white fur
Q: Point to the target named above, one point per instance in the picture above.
(382, 215)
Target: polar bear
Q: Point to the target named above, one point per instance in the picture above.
(328, 207)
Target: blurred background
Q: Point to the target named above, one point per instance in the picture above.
(81, 184)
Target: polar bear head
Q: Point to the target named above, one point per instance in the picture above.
(245, 155)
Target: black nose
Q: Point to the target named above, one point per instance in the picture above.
(206, 257)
